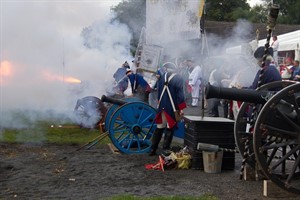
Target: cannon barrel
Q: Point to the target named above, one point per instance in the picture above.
(245, 95)
(118, 102)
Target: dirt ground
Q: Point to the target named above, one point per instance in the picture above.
(29, 171)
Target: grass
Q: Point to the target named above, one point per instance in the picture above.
(45, 132)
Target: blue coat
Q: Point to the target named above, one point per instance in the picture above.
(271, 74)
(138, 81)
(140, 87)
(176, 89)
(296, 71)
(121, 79)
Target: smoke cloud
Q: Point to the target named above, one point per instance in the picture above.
(175, 27)
(44, 65)
(45, 68)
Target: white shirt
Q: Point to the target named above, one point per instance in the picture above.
(195, 76)
(275, 45)
(212, 79)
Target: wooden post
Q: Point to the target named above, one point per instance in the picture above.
(272, 190)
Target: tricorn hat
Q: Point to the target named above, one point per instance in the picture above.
(260, 52)
(169, 66)
(126, 65)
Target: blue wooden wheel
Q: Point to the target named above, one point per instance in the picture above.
(112, 109)
(131, 127)
(108, 115)
(132, 99)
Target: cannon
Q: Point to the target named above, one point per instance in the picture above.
(267, 129)
(128, 122)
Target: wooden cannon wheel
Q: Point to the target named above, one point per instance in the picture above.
(112, 108)
(131, 127)
(89, 112)
(243, 135)
(277, 139)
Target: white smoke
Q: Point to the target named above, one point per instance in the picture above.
(42, 54)
(167, 22)
(241, 62)
(41, 46)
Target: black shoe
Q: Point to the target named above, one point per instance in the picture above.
(152, 153)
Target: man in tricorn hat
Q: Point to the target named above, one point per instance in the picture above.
(268, 72)
(170, 100)
(121, 80)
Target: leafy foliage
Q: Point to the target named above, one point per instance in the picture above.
(226, 10)
(288, 13)
(258, 14)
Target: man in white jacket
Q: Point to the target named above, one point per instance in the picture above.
(194, 81)
(275, 46)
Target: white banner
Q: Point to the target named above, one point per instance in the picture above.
(169, 20)
(150, 58)
(148, 66)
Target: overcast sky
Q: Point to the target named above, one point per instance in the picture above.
(254, 2)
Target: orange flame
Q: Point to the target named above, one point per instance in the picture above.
(72, 80)
(66, 79)
(6, 70)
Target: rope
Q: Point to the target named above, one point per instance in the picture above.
(245, 157)
(230, 150)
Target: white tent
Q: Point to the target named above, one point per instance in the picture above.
(287, 42)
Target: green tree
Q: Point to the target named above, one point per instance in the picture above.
(226, 10)
(289, 10)
(258, 14)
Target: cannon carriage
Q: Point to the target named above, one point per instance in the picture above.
(267, 129)
(128, 122)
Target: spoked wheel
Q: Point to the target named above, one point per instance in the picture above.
(89, 111)
(131, 127)
(243, 133)
(108, 115)
(277, 139)
(113, 108)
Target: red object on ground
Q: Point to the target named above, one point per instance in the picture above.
(158, 166)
